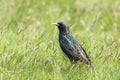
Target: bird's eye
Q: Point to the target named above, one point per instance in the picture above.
(60, 24)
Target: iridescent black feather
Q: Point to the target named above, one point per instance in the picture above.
(72, 49)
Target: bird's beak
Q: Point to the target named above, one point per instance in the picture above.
(55, 24)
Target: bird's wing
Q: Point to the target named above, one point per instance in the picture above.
(74, 48)
(81, 53)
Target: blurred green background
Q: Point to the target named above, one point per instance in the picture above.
(29, 48)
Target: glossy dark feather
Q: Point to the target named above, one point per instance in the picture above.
(72, 49)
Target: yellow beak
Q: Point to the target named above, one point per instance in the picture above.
(55, 24)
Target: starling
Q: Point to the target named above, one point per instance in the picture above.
(71, 47)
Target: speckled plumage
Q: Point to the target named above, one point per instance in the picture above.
(72, 49)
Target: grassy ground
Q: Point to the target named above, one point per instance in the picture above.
(29, 48)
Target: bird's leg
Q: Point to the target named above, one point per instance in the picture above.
(72, 65)
(91, 66)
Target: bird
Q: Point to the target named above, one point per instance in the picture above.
(71, 47)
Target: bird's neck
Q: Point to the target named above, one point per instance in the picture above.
(64, 33)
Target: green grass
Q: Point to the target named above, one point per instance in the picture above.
(29, 48)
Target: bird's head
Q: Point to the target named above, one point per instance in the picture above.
(63, 27)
